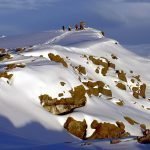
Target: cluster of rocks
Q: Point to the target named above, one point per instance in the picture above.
(102, 130)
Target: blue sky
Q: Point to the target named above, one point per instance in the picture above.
(127, 21)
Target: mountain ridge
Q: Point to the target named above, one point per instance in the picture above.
(108, 73)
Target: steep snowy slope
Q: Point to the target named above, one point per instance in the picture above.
(110, 83)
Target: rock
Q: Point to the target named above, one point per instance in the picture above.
(62, 83)
(120, 103)
(5, 56)
(12, 66)
(122, 76)
(113, 56)
(20, 50)
(107, 92)
(97, 70)
(144, 139)
(107, 130)
(57, 59)
(104, 71)
(77, 128)
(142, 90)
(5, 75)
(64, 105)
(81, 69)
(143, 127)
(137, 77)
(130, 120)
(121, 86)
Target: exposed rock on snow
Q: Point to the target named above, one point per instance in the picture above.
(65, 105)
(77, 128)
(107, 130)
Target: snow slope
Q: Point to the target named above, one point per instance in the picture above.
(21, 113)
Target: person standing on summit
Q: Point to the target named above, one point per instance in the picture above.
(63, 28)
(76, 27)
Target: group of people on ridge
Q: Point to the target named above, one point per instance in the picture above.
(77, 27)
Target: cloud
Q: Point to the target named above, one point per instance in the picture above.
(124, 11)
(25, 4)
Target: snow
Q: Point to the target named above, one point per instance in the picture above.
(21, 115)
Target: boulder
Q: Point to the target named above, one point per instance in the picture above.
(77, 128)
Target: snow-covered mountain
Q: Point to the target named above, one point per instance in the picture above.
(74, 81)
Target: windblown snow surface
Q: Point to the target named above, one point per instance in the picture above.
(25, 124)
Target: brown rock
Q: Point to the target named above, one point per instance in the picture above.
(104, 71)
(81, 69)
(132, 80)
(62, 83)
(130, 120)
(107, 92)
(121, 86)
(111, 65)
(97, 70)
(122, 76)
(144, 139)
(137, 77)
(77, 128)
(57, 59)
(5, 75)
(142, 90)
(120, 103)
(12, 66)
(107, 130)
(65, 105)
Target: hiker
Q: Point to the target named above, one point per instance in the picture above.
(76, 27)
(82, 25)
(69, 28)
(63, 28)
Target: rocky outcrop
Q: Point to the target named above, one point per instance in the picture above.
(145, 139)
(77, 128)
(99, 61)
(96, 88)
(107, 130)
(65, 105)
(139, 91)
(57, 59)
